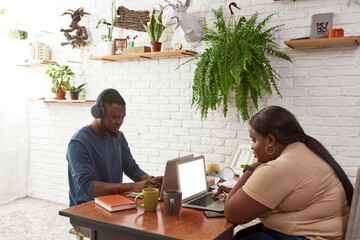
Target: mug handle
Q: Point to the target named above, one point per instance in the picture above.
(141, 194)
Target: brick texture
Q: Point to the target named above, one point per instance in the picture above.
(321, 86)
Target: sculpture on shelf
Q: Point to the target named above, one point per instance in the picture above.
(191, 27)
(81, 35)
(131, 19)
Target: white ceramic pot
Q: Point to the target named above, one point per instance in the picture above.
(108, 48)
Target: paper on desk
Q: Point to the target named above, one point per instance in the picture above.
(133, 194)
(229, 183)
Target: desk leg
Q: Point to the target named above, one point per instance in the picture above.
(93, 235)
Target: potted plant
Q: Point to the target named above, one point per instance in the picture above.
(60, 75)
(108, 44)
(74, 91)
(155, 28)
(236, 59)
(17, 34)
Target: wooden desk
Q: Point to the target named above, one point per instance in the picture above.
(137, 224)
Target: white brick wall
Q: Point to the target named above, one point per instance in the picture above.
(321, 86)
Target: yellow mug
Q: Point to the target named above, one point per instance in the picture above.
(150, 199)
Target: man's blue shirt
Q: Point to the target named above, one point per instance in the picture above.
(92, 157)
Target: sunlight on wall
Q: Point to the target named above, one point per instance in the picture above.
(14, 159)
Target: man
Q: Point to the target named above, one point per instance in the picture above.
(98, 154)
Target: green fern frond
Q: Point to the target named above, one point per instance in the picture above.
(235, 60)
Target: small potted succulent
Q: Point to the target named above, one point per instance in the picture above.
(108, 43)
(74, 91)
(60, 75)
(155, 28)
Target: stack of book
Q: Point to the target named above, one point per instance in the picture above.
(115, 202)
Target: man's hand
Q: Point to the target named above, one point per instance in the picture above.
(138, 186)
(156, 181)
(149, 182)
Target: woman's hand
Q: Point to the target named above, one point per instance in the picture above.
(222, 190)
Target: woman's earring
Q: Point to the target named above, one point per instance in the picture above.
(267, 151)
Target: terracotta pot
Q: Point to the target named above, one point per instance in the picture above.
(337, 32)
(155, 46)
(60, 94)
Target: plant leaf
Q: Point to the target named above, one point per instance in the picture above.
(236, 59)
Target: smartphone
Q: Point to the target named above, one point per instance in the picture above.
(210, 214)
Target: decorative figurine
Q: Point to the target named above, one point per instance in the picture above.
(81, 35)
(191, 27)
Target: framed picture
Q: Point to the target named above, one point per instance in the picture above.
(321, 23)
(119, 45)
(242, 155)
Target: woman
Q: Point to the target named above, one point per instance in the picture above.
(298, 190)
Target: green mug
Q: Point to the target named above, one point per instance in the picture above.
(150, 199)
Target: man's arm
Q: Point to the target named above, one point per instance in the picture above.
(104, 188)
(131, 168)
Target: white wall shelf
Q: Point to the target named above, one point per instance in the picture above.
(63, 101)
(323, 42)
(146, 55)
(34, 64)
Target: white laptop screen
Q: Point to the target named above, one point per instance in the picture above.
(192, 178)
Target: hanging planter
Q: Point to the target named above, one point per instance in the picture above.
(236, 60)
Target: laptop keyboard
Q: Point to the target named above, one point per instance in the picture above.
(203, 201)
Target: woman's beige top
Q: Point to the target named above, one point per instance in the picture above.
(306, 197)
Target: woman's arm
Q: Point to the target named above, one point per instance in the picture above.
(239, 207)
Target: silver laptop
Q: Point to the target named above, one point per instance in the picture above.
(192, 183)
(170, 180)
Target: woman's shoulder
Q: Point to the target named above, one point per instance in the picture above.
(297, 152)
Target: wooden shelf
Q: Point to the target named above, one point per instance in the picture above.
(33, 64)
(63, 101)
(320, 42)
(146, 55)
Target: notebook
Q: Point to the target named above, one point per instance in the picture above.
(170, 180)
(192, 183)
(115, 202)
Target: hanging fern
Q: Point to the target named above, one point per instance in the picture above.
(236, 60)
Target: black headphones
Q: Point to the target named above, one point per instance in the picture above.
(98, 110)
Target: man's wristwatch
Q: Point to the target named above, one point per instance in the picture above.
(247, 167)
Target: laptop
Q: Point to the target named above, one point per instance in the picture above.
(170, 180)
(192, 183)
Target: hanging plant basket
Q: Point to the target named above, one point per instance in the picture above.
(236, 60)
